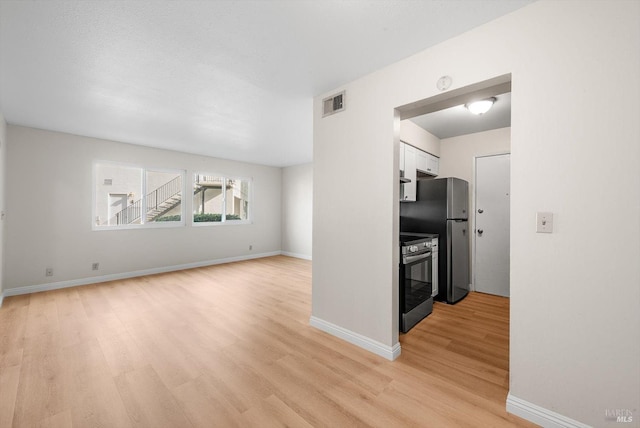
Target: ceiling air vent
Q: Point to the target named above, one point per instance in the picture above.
(108, 181)
(333, 104)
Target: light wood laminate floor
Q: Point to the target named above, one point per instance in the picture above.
(230, 345)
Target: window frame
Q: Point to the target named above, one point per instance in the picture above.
(224, 221)
(144, 192)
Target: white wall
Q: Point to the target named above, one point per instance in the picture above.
(575, 322)
(412, 134)
(3, 151)
(457, 154)
(297, 203)
(458, 160)
(49, 212)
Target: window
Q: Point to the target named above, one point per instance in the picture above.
(164, 197)
(218, 199)
(128, 196)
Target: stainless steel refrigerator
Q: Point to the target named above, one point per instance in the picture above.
(441, 207)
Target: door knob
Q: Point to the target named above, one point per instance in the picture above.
(480, 231)
(480, 210)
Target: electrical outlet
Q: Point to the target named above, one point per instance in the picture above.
(250, 247)
(544, 222)
(95, 266)
(48, 271)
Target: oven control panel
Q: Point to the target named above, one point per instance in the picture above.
(419, 247)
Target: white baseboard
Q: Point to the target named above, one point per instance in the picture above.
(539, 415)
(116, 276)
(296, 255)
(388, 352)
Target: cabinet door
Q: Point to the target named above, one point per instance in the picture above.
(410, 173)
(421, 160)
(433, 165)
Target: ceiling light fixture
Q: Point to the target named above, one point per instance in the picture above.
(480, 106)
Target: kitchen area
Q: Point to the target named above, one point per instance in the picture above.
(437, 214)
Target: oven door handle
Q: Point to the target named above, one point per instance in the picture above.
(411, 259)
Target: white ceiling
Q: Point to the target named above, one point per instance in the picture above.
(230, 79)
(456, 121)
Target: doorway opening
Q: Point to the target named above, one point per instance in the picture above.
(477, 326)
(442, 127)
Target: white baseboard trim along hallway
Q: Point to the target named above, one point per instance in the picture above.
(539, 415)
(116, 276)
(296, 255)
(388, 352)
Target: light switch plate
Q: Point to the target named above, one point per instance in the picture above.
(544, 222)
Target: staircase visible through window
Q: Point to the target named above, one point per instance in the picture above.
(127, 196)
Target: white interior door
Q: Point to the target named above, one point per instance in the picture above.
(492, 224)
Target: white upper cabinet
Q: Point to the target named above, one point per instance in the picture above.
(412, 162)
(433, 165)
(410, 172)
(421, 160)
(427, 163)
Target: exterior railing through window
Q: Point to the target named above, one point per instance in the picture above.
(154, 200)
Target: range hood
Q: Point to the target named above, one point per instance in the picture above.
(404, 180)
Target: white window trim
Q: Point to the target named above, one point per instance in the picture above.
(142, 225)
(224, 221)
